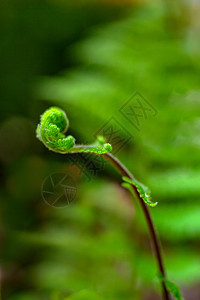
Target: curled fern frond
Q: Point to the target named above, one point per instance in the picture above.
(143, 191)
(51, 132)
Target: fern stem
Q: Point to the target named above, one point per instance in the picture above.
(154, 238)
(51, 132)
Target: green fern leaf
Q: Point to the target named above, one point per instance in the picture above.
(143, 191)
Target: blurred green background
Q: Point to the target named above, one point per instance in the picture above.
(90, 58)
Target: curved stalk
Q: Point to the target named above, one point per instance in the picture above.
(51, 132)
(154, 239)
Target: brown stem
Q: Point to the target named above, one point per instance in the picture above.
(154, 239)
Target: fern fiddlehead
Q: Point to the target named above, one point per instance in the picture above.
(51, 132)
